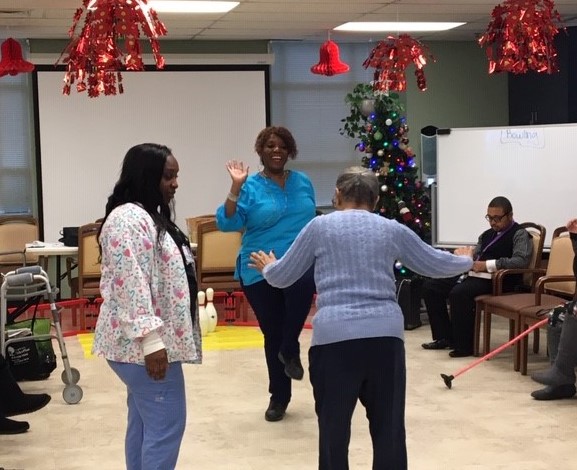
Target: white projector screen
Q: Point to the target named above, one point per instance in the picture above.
(535, 167)
(206, 117)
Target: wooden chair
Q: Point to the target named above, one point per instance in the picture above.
(538, 233)
(87, 284)
(559, 288)
(216, 256)
(15, 232)
(510, 306)
(192, 225)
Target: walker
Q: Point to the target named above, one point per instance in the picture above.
(27, 284)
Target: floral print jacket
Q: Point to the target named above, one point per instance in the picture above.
(144, 288)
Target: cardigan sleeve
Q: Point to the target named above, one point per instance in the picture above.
(296, 261)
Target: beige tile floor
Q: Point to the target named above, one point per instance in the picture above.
(487, 421)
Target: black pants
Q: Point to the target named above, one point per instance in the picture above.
(281, 314)
(371, 370)
(459, 328)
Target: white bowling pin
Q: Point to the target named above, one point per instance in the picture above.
(211, 310)
(202, 315)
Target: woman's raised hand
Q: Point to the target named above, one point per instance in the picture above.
(237, 171)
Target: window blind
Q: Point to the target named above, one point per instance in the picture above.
(312, 107)
(17, 181)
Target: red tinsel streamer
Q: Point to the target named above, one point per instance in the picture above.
(108, 44)
(520, 37)
(390, 58)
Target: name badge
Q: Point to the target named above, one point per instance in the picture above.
(187, 254)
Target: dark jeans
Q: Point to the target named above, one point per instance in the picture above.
(459, 328)
(371, 370)
(281, 314)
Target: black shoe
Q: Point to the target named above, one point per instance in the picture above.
(275, 411)
(292, 367)
(555, 392)
(460, 353)
(437, 344)
(27, 403)
(9, 426)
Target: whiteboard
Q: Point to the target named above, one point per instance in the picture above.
(535, 167)
(206, 117)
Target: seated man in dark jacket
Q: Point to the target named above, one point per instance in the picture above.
(504, 245)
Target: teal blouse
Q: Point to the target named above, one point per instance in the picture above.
(270, 216)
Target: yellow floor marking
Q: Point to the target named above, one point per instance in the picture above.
(224, 338)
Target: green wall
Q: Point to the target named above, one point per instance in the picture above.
(460, 92)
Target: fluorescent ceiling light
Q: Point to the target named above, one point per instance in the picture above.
(177, 6)
(396, 26)
(184, 6)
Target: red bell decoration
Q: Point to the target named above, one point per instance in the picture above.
(330, 62)
(108, 44)
(390, 58)
(12, 62)
(520, 37)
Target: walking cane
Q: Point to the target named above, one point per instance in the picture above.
(449, 378)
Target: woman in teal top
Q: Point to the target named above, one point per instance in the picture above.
(272, 206)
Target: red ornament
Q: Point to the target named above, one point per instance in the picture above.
(390, 58)
(520, 37)
(108, 44)
(12, 62)
(330, 62)
(405, 212)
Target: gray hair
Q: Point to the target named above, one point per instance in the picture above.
(359, 185)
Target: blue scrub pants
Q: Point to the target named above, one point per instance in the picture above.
(156, 416)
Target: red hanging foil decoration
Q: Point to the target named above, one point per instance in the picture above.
(391, 57)
(108, 44)
(520, 37)
(12, 62)
(330, 62)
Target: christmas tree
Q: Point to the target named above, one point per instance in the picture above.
(378, 124)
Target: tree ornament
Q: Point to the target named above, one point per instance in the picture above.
(389, 156)
(330, 62)
(109, 43)
(12, 62)
(406, 214)
(367, 107)
(391, 57)
(520, 37)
